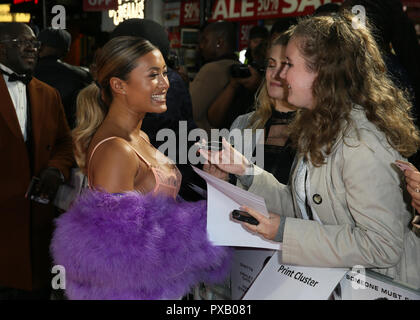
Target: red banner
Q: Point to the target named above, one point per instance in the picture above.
(175, 38)
(24, 1)
(411, 3)
(240, 10)
(190, 12)
(100, 5)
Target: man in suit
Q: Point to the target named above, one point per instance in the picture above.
(66, 78)
(35, 140)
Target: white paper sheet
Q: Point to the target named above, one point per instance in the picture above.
(278, 281)
(222, 198)
(246, 265)
(360, 286)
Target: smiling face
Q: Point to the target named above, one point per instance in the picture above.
(298, 76)
(276, 86)
(147, 84)
(19, 56)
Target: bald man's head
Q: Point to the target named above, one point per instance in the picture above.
(18, 47)
(218, 39)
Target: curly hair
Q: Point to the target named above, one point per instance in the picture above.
(350, 70)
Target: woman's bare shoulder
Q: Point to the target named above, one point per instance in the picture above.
(109, 145)
(116, 149)
(114, 165)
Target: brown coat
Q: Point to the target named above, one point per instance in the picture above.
(25, 227)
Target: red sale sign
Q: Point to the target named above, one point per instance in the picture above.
(24, 1)
(100, 5)
(240, 10)
(411, 3)
(190, 12)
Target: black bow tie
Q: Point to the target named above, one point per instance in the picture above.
(25, 78)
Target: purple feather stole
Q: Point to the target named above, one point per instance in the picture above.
(134, 246)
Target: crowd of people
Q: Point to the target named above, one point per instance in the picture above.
(332, 105)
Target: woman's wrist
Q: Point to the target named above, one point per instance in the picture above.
(245, 169)
(280, 231)
(247, 177)
(249, 169)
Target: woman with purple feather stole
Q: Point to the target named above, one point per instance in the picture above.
(128, 236)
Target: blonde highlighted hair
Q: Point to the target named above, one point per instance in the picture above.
(350, 70)
(117, 59)
(264, 104)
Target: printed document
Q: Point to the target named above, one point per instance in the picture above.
(278, 281)
(222, 198)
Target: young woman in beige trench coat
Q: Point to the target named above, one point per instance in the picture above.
(344, 203)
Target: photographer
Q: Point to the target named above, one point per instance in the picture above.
(217, 50)
(237, 98)
(217, 97)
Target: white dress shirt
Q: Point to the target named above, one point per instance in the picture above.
(17, 91)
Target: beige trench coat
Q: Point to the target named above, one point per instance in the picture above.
(358, 196)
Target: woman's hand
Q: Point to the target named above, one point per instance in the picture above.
(267, 227)
(252, 82)
(412, 179)
(227, 160)
(215, 171)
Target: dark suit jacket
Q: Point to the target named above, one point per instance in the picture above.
(26, 226)
(67, 79)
